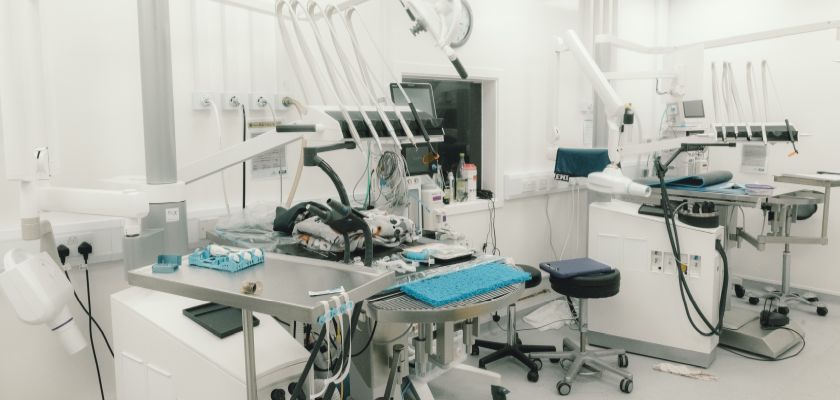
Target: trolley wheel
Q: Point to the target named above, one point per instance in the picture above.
(623, 361)
(566, 363)
(533, 376)
(822, 311)
(740, 291)
(626, 385)
(753, 300)
(564, 388)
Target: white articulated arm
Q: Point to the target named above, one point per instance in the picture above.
(614, 107)
(611, 180)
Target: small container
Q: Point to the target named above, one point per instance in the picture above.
(471, 176)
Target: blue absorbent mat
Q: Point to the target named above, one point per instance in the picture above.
(441, 290)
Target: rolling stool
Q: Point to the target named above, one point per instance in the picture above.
(514, 347)
(585, 287)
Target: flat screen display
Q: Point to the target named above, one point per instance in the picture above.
(419, 93)
(694, 109)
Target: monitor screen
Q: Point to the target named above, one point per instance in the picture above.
(419, 93)
(693, 109)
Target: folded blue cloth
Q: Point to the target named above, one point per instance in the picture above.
(567, 269)
(444, 289)
(707, 179)
(577, 163)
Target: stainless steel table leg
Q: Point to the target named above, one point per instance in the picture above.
(250, 360)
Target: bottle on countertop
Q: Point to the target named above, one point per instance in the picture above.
(461, 180)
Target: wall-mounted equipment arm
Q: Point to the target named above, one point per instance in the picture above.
(235, 154)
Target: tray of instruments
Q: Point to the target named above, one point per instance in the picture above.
(283, 283)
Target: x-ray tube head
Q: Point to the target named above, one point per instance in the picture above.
(612, 181)
(39, 293)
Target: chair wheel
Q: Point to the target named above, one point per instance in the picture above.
(538, 362)
(740, 291)
(623, 361)
(813, 299)
(564, 388)
(822, 311)
(753, 300)
(566, 364)
(554, 360)
(626, 385)
(533, 376)
(475, 350)
(783, 310)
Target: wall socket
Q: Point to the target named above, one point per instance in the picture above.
(199, 100)
(72, 242)
(234, 100)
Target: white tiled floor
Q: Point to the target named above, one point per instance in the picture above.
(814, 374)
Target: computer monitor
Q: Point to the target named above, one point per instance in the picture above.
(420, 94)
(693, 109)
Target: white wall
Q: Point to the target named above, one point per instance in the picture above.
(93, 70)
(808, 82)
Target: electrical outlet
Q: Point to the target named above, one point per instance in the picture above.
(669, 263)
(72, 242)
(201, 100)
(234, 100)
(278, 102)
(256, 100)
(655, 261)
(694, 266)
(529, 186)
(542, 184)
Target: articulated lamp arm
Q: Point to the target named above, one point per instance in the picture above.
(619, 114)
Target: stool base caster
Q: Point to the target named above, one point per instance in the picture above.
(533, 376)
(626, 385)
(623, 361)
(564, 388)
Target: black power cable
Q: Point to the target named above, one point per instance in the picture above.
(90, 334)
(244, 138)
(369, 340)
(63, 253)
(95, 322)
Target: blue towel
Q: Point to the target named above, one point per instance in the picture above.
(578, 163)
(707, 179)
(459, 285)
(566, 269)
